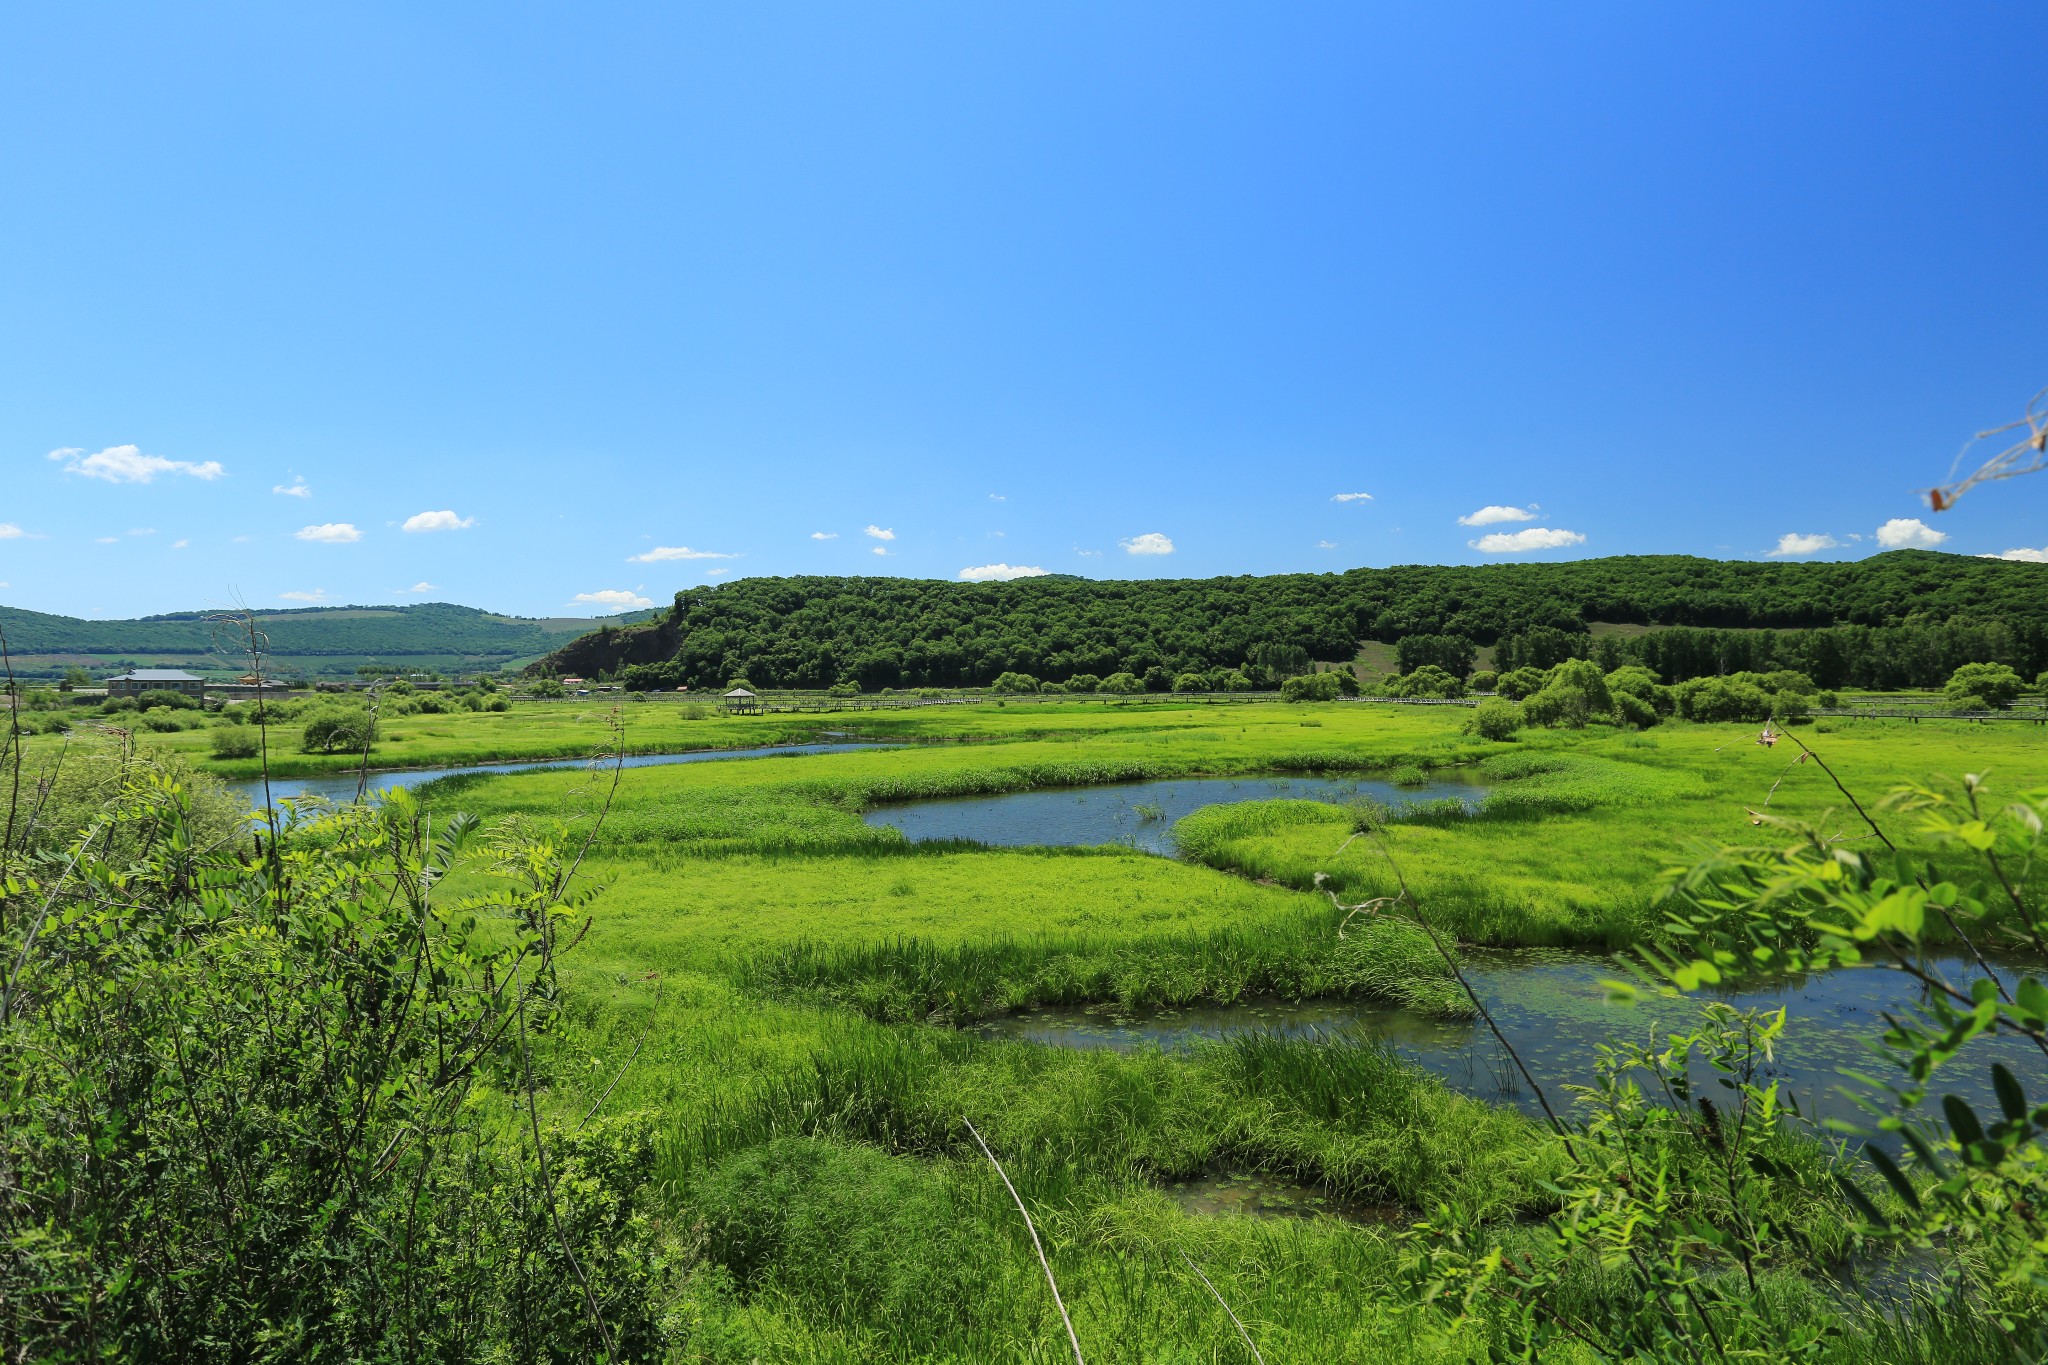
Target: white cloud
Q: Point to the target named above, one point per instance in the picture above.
(1351, 497)
(1001, 573)
(9, 531)
(317, 595)
(2022, 556)
(1535, 538)
(1792, 543)
(106, 540)
(241, 540)
(1087, 554)
(611, 597)
(127, 464)
(421, 586)
(1151, 543)
(881, 549)
(180, 544)
(824, 535)
(997, 497)
(879, 533)
(298, 489)
(1326, 545)
(142, 531)
(662, 553)
(329, 533)
(437, 521)
(1494, 513)
(715, 573)
(1909, 533)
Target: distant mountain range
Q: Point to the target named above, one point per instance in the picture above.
(311, 641)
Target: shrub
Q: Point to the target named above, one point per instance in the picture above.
(1190, 682)
(1235, 680)
(1485, 680)
(845, 687)
(1310, 687)
(1994, 687)
(235, 741)
(1083, 682)
(497, 704)
(338, 727)
(161, 721)
(1347, 682)
(1555, 707)
(1013, 683)
(1158, 678)
(113, 706)
(1428, 681)
(1519, 683)
(165, 697)
(1496, 718)
(1631, 709)
(1122, 684)
(1723, 699)
(549, 687)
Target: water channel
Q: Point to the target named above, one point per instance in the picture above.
(342, 787)
(1140, 814)
(1553, 1009)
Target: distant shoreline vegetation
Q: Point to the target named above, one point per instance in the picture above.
(1902, 619)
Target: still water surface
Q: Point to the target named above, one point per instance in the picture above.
(343, 788)
(1140, 814)
(1554, 1011)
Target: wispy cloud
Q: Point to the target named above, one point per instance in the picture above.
(297, 489)
(616, 598)
(1792, 543)
(421, 586)
(2022, 556)
(716, 573)
(106, 540)
(824, 535)
(9, 531)
(1494, 514)
(1518, 542)
(1351, 497)
(180, 544)
(1909, 533)
(317, 595)
(997, 497)
(329, 533)
(985, 573)
(1151, 543)
(142, 531)
(1326, 545)
(1087, 554)
(127, 464)
(661, 554)
(879, 533)
(437, 521)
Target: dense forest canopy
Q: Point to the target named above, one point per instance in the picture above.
(894, 632)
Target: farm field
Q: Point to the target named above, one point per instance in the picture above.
(789, 982)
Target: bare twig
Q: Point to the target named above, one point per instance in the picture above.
(2027, 455)
(1032, 1228)
(651, 1013)
(1249, 1344)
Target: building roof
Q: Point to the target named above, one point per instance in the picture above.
(155, 675)
(739, 692)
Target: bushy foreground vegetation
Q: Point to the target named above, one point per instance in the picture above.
(760, 1010)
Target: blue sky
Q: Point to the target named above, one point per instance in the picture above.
(582, 294)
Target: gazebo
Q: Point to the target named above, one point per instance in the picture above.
(739, 699)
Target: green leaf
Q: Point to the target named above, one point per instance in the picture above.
(1893, 1176)
(1962, 1120)
(1861, 1202)
(2011, 1097)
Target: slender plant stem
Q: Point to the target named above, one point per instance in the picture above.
(1249, 1344)
(1031, 1228)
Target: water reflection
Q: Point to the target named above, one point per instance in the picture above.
(1553, 1009)
(1140, 814)
(343, 788)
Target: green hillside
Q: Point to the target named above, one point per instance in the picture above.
(1857, 619)
(315, 641)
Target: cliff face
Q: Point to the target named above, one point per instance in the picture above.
(611, 648)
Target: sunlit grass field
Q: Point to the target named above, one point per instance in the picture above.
(776, 985)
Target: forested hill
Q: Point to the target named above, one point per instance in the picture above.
(911, 632)
(313, 640)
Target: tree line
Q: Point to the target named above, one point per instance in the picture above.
(1933, 610)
